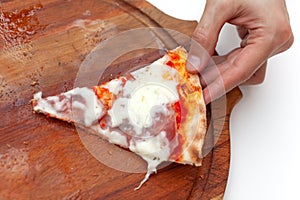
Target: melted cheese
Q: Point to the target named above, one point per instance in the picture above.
(144, 96)
(79, 105)
(154, 150)
(118, 112)
(117, 138)
(148, 100)
(114, 86)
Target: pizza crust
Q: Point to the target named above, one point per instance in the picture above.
(195, 124)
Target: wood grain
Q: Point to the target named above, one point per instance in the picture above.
(43, 158)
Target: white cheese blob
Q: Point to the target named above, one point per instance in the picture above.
(147, 100)
(154, 73)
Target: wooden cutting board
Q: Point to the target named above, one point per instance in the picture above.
(43, 44)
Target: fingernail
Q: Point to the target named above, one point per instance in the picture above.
(193, 63)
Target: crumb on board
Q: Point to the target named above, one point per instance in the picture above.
(34, 83)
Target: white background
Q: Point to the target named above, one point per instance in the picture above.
(265, 128)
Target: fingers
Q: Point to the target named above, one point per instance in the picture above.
(245, 65)
(221, 63)
(239, 67)
(206, 35)
(210, 74)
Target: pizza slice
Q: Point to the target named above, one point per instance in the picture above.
(157, 112)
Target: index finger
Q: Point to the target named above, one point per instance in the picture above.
(206, 34)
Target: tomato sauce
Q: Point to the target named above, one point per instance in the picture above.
(105, 96)
(103, 123)
(177, 152)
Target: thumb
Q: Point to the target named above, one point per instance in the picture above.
(205, 36)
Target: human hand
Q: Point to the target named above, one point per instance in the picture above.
(265, 30)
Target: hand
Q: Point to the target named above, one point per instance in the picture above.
(265, 30)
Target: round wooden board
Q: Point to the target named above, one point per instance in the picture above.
(43, 158)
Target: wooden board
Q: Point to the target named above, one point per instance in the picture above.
(42, 47)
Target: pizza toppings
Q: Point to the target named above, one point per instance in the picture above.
(155, 112)
(79, 105)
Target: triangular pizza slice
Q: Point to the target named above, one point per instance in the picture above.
(157, 112)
